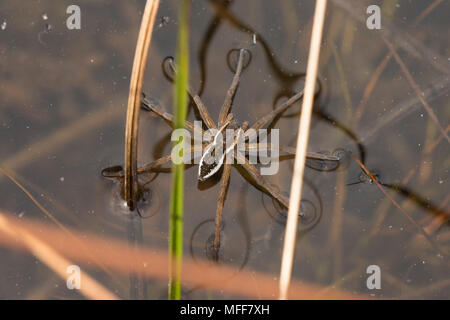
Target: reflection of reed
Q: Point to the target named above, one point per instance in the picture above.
(153, 263)
(61, 137)
(90, 288)
(138, 285)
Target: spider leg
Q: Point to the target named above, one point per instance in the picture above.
(222, 195)
(224, 186)
(203, 112)
(289, 151)
(251, 169)
(277, 111)
(167, 116)
(198, 102)
(232, 90)
(150, 167)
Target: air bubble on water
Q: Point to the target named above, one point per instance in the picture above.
(3, 26)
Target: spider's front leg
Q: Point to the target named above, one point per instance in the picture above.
(198, 102)
(232, 90)
(154, 164)
(149, 106)
(277, 111)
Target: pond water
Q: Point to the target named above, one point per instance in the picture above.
(62, 120)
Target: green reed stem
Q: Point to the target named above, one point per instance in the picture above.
(176, 203)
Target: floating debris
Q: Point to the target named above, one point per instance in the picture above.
(163, 21)
(44, 16)
(364, 178)
(3, 26)
(47, 29)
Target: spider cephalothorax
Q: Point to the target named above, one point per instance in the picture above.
(221, 148)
